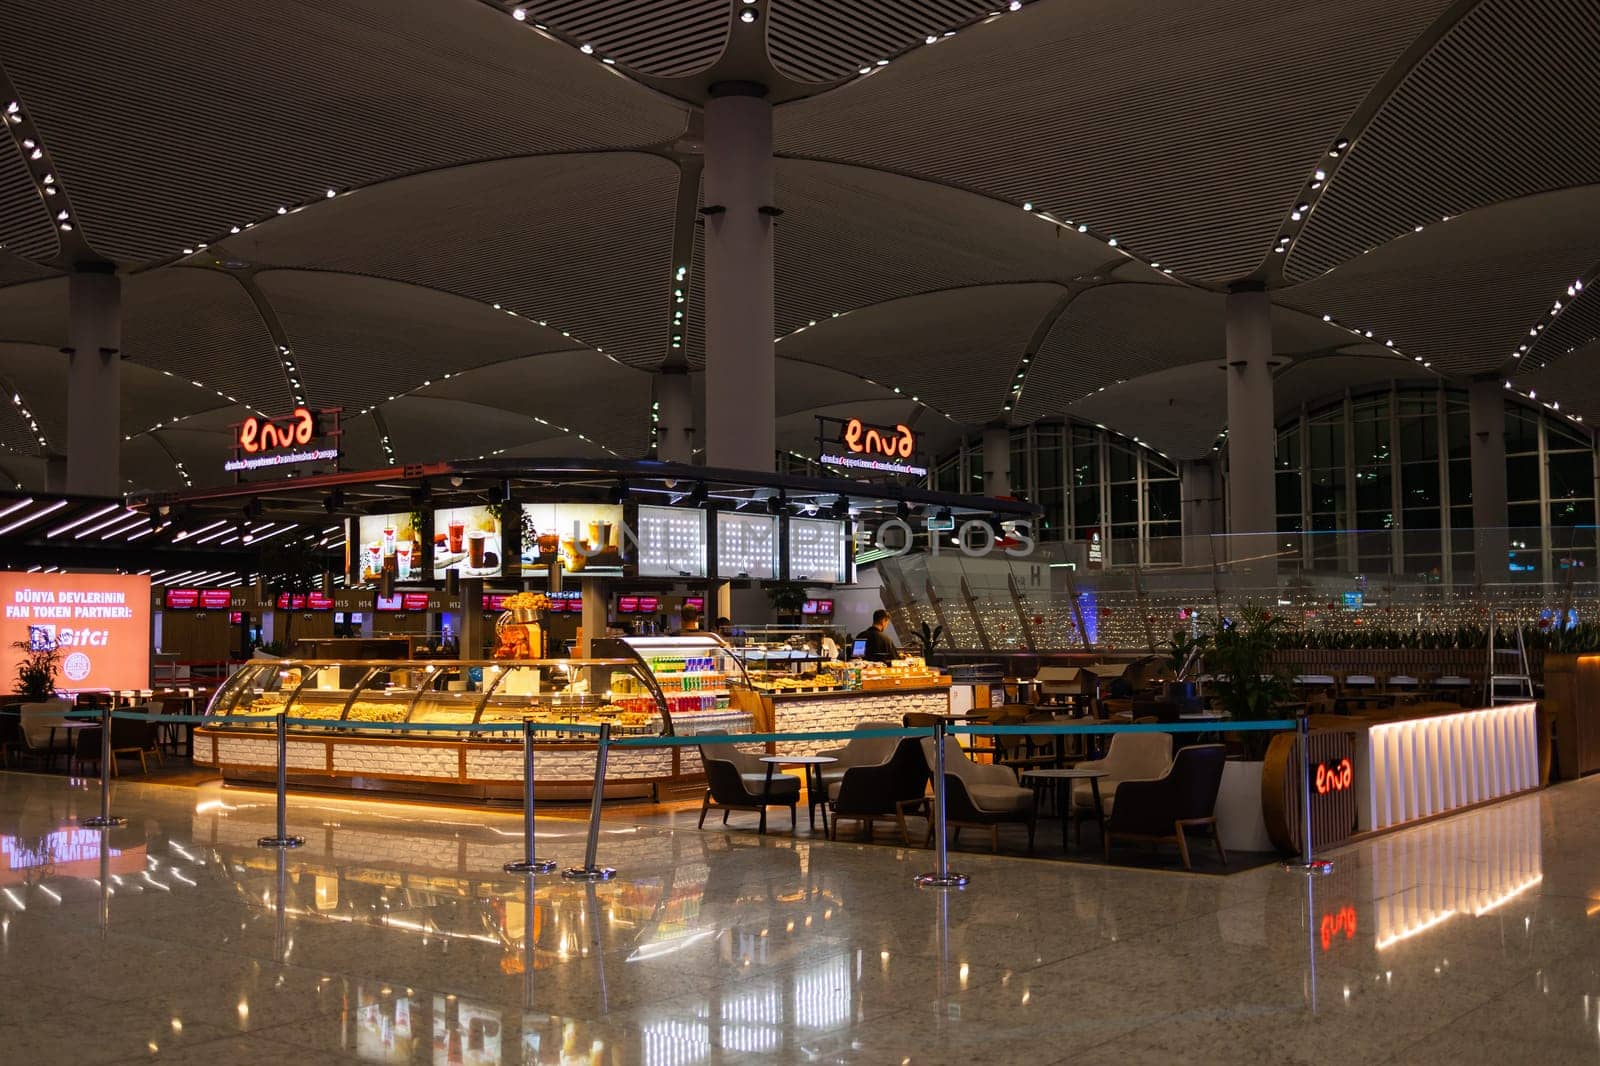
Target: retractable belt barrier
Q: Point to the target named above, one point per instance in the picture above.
(941, 877)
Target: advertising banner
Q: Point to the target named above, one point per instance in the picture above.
(586, 537)
(467, 540)
(100, 623)
(388, 542)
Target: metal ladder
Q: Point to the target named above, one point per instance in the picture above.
(1523, 681)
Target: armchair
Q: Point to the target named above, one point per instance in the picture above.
(1161, 809)
(1130, 757)
(979, 794)
(866, 793)
(860, 751)
(737, 781)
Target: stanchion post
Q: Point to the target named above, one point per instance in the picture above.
(528, 864)
(943, 876)
(1307, 864)
(105, 820)
(591, 870)
(283, 839)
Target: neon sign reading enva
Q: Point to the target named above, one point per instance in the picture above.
(282, 441)
(1334, 777)
(858, 445)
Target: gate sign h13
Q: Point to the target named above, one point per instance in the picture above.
(98, 623)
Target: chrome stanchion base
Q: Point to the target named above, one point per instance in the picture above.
(934, 880)
(97, 822)
(1316, 868)
(588, 873)
(530, 866)
(280, 842)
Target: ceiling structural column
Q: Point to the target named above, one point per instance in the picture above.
(997, 460)
(740, 430)
(1486, 425)
(673, 408)
(1199, 499)
(1252, 521)
(94, 382)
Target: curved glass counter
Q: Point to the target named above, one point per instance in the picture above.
(444, 693)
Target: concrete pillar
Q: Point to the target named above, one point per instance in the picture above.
(740, 371)
(997, 461)
(673, 406)
(94, 384)
(1200, 499)
(1486, 425)
(1252, 519)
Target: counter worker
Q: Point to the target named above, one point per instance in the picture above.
(880, 649)
(828, 647)
(689, 622)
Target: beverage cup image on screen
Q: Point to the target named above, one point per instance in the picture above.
(583, 537)
(467, 540)
(388, 543)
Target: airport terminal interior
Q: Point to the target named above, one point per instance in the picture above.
(673, 532)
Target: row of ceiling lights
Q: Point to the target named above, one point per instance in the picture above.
(869, 67)
(39, 167)
(1573, 291)
(1310, 192)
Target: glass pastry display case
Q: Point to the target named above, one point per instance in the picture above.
(406, 726)
(446, 692)
(697, 675)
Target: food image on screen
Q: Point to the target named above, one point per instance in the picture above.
(388, 543)
(467, 540)
(585, 537)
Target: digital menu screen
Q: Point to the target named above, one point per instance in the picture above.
(467, 540)
(311, 601)
(388, 543)
(747, 545)
(182, 599)
(627, 604)
(387, 603)
(672, 542)
(100, 623)
(817, 550)
(585, 537)
(648, 604)
(215, 599)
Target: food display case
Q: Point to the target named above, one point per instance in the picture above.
(435, 696)
(700, 678)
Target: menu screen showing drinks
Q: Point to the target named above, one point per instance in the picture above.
(747, 545)
(586, 538)
(816, 550)
(388, 543)
(672, 542)
(467, 540)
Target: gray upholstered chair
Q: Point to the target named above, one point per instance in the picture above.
(1183, 797)
(738, 781)
(981, 795)
(889, 789)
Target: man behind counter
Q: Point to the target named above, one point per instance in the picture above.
(879, 648)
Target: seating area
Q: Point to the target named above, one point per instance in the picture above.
(40, 736)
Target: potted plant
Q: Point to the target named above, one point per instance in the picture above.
(36, 671)
(787, 598)
(1238, 655)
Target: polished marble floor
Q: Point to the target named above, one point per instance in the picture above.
(394, 937)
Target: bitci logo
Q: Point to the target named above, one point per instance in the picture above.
(76, 666)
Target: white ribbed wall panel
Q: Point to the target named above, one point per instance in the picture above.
(1429, 766)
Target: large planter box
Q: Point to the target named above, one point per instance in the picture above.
(1240, 822)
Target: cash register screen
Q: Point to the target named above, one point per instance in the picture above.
(858, 649)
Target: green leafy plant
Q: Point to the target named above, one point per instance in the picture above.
(928, 638)
(36, 672)
(1238, 654)
(786, 597)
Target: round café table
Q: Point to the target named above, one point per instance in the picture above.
(815, 794)
(1064, 792)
